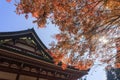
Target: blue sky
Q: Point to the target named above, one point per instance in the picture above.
(10, 21)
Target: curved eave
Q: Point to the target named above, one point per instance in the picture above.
(24, 33)
(45, 64)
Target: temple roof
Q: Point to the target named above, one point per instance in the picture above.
(29, 33)
(23, 33)
(25, 47)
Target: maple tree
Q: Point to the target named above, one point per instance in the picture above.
(85, 25)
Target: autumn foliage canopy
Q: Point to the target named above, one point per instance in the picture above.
(88, 28)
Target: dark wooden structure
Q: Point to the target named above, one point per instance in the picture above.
(114, 73)
(23, 56)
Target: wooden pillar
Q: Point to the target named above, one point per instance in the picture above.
(37, 78)
(17, 77)
(18, 74)
(39, 71)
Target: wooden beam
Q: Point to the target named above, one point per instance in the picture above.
(11, 70)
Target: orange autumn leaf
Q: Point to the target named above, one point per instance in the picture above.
(42, 25)
(80, 67)
(56, 61)
(58, 37)
(117, 65)
(118, 48)
(35, 14)
(53, 55)
(77, 66)
(64, 66)
(57, 58)
(8, 0)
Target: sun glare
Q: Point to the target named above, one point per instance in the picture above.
(103, 39)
